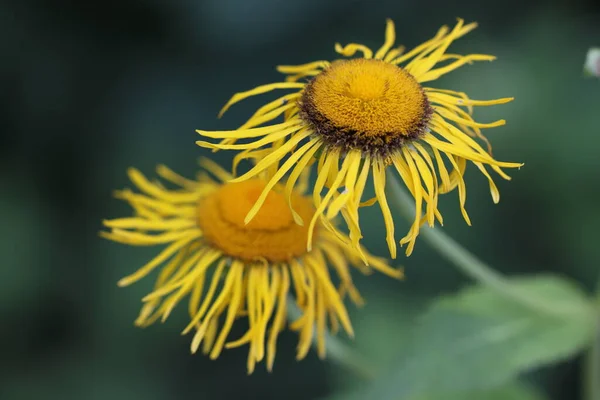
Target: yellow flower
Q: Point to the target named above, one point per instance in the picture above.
(231, 269)
(357, 117)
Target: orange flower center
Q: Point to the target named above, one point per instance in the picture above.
(368, 104)
(272, 234)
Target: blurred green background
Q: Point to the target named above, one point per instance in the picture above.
(91, 88)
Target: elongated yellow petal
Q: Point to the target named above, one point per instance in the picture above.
(140, 210)
(463, 151)
(442, 127)
(410, 238)
(205, 260)
(279, 319)
(379, 185)
(457, 174)
(437, 72)
(221, 298)
(252, 132)
(195, 296)
(300, 167)
(155, 262)
(334, 299)
(274, 156)
(236, 296)
(214, 169)
(267, 139)
(350, 49)
(259, 90)
(166, 173)
(355, 202)
(417, 67)
(444, 176)
(326, 161)
(460, 95)
(268, 292)
(297, 77)
(299, 280)
(493, 188)
(306, 322)
(327, 198)
(500, 172)
(429, 180)
(289, 163)
(146, 186)
(340, 264)
(452, 117)
(141, 239)
(320, 317)
(159, 207)
(420, 67)
(422, 47)
(394, 53)
(208, 297)
(176, 280)
(260, 118)
(390, 38)
(247, 155)
(350, 181)
(381, 266)
(436, 97)
(150, 225)
(295, 69)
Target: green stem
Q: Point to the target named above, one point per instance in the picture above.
(592, 358)
(336, 349)
(462, 259)
(592, 371)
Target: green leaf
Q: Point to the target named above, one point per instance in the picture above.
(478, 339)
(510, 391)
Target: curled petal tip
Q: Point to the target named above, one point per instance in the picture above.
(122, 283)
(222, 111)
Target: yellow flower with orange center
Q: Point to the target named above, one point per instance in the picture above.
(232, 270)
(358, 117)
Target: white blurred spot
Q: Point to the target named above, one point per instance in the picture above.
(592, 61)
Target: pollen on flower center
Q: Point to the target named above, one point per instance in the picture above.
(271, 235)
(367, 104)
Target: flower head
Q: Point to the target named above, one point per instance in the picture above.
(231, 269)
(356, 118)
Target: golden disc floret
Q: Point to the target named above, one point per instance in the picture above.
(272, 234)
(367, 104)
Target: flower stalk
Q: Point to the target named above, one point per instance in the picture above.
(467, 262)
(591, 373)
